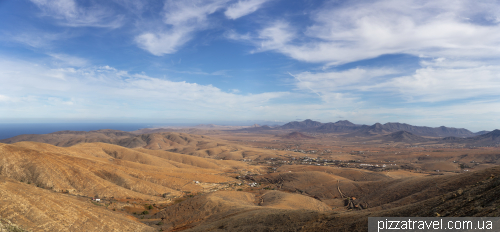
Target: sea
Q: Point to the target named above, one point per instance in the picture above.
(8, 130)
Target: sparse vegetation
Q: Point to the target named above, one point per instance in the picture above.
(8, 226)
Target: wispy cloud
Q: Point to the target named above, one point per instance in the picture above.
(34, 38)
(243, 7)
(104, 90)
(274, 36)
(339, 85)
(167, 42)
(181, 19)
(358, 30)
(69, 13)
(441, 81)
(216, 73)
(67, 60)
(436, 81)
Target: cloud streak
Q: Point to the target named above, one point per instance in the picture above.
(69, 13)
(243, 7)
(181, 19)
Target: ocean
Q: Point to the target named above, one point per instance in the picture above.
(8, 130)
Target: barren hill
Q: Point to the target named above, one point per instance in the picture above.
(306, 124)
(296, 135)
(342, 126)
(345, 126)
(196, 145)
(489, 139)
(379, 129)
(192, 182)
(404, 136)
(111, 171)
(38, 181)
(69, 138)
(200, 210)
(263, 210)
(490, 136)
(482, 132)
(366, 131)
(39, 209)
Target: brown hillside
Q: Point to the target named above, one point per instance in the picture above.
(469, 199)
(38, 209)
(109, 170)
(228, 204)
(194, 145)
(297, 135)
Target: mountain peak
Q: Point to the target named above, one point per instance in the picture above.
(344, 123)
(308, 123)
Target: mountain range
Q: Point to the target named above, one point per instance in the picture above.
(401, 132)
(356, 130)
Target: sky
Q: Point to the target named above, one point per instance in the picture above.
(425, 63)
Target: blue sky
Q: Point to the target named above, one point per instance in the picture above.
(426, 63)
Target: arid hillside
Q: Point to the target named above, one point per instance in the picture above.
(69, 138)
(38, 209)
(112, 171)
(477, 196)
(194, 145)
(238, 181)
(296, 135)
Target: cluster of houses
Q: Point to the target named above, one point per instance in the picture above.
(306, 160)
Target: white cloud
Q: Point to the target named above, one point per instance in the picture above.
(437, 81)
(338, 86)
(99, 92)
(190, 12)
(358, 30)
(345, 80)
(275, 36)
(67, 60)
(163, 43)
(442, 81)
(243, 7)
(68, 13)
(182, 19)
(4, 98)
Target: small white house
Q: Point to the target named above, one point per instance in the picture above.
(96, 199)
